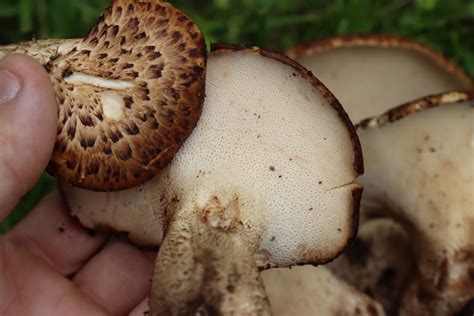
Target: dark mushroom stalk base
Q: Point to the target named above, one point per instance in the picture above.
(266, 179)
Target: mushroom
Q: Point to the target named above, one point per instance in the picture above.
(266, 179)
(420, 172)
(129, 93)
(371, 74)
(379, 262)
(390, 71)
(308, 290)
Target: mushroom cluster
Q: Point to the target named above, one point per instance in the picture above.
(259, 173)
(413, 252)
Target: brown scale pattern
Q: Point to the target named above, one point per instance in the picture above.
(162, 52)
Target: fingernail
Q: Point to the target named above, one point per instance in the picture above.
(10, 85)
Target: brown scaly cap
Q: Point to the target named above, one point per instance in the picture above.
(117, 132)
(379, 40)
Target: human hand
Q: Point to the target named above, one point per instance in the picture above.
(49, 264)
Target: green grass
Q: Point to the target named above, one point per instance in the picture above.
(447, 25)
(45, 184)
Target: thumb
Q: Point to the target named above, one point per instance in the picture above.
(28, 123)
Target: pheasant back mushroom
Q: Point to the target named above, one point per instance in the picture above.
(420, 171)
(129, 93)
(265, 179)
(371, 74)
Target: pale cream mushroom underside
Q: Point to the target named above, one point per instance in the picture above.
(370, 74)
(420, 171)
(265, 179)
(309, 291)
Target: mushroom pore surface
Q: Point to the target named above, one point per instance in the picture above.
(128, 93)
(266, 176)
(419, 160)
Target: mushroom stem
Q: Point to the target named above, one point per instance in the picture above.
(41, 50)
(200, 268)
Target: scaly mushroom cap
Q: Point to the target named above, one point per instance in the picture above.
(370, 74)
(420, 171)
(129, 93)
(308, 291)
(378, 262)
(267, 173)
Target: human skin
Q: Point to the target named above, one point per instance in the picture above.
(49, 264)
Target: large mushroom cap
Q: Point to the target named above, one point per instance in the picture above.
(308, 291)
(129, 93)
(278, 135)
(266, 174)
(419, 159)
(370, 74)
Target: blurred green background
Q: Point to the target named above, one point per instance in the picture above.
(446, 25)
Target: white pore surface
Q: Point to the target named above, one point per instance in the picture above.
(422, 167)
(268, 138)
(271, 136)
(370, 80)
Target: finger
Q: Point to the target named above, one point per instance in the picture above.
(28, 286)
(28, 123)
(142, 309)
(118, 278)
(53, 235)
